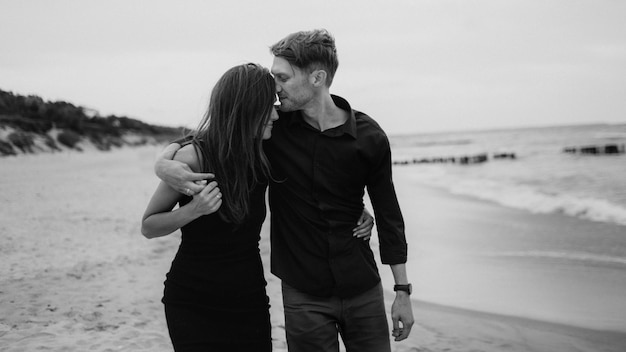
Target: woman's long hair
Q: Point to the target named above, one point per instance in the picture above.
(230, 136)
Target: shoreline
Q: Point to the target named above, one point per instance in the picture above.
(546, 267)
(439, 328)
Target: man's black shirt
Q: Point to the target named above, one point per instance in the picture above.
(316, 199)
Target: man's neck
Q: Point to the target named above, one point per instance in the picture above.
(323, 114)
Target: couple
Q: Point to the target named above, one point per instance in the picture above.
(317, 155)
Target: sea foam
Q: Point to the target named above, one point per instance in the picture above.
(524, 197)
(563, 256)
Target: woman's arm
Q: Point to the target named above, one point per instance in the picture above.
(160, 220)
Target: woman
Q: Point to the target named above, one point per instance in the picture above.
(214, 294)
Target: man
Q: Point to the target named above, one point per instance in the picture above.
(323, 156)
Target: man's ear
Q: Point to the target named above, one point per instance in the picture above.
(318, 78)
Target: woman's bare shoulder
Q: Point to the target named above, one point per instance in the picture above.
(189, 155)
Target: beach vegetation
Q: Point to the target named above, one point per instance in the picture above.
(22, 140)
(68, 138)
(6, 148)
(26, 124)
(50, 143)
(31, 116)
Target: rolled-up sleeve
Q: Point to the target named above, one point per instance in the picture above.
(389, 220)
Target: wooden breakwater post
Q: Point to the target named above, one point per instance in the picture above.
(462, 160)
(473, 159)
(610, 149)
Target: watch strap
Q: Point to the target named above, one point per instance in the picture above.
(406, 288)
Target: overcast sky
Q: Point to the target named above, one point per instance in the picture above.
(413, 65)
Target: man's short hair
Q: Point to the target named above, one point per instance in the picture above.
(309, 50)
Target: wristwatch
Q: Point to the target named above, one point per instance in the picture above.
(408, 288)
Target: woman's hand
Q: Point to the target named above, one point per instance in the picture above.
(208, 201)
(364, 226)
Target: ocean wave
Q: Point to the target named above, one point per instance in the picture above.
(412, 142)
(568, 256)
(537, 202)
(528, 198)
(454, 142)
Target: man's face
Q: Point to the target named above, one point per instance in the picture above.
(292, 85)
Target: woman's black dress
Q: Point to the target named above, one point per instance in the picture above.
(214, 293)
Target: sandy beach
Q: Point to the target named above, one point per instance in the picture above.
(77, 275)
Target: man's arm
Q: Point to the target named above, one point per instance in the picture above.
(160, 220)
(401, 310)
(178, 175)
(391, 236)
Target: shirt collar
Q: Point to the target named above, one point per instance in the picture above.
(349, 127)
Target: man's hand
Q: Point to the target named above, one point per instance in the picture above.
(179, 175)
(401, 316)
(364, 226)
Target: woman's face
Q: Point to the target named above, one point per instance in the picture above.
(267, 132)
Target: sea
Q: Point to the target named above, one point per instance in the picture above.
(537, 169)
(539, 230)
